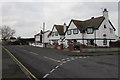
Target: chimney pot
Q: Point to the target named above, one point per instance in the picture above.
(105, 9)
(92, 17)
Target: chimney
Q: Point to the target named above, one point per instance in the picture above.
(92, 17)
(105, 13)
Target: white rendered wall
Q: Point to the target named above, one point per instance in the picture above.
(46, 39)
(102, 31)
(54, 37)
(37, 38)
(73, 36)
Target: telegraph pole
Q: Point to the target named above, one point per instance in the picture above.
(43, 34)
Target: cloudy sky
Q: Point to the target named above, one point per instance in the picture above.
(27, 17)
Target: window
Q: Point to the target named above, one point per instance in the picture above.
(75, 31)
(89, 30)
(111, 31)
(56, 33)
(105, 42)
(69, 32)
(104, 35)
(105, 26)
(52, 34)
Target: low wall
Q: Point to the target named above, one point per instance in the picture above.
(101, 50)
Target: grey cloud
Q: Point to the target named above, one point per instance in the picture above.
(27, 17)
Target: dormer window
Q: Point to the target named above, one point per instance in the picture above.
(89, 30)
(69, 32)
(75, 31)
(56, 33)
(52, 34)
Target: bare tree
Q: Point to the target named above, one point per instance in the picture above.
(6, 32)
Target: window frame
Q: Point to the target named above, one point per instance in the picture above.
(90, 31)
(52, 34)
(105, 42)
(56, 33)
(75, 32)
(70, 32)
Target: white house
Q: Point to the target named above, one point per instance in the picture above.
(57, 34)
(42, 37)
(97, 31)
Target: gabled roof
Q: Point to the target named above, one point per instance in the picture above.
(59, 28)
(112, 25)
(83, 25)
(41, 32)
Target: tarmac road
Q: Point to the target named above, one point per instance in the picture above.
(52, 63)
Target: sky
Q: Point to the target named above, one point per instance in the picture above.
(27, 17)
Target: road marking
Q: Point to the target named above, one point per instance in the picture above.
(84, 57)
(56, 67)
(19, 63)
(63, 59)
(68, 60)
(61, 64)
(64, 62)
(52, 70)
(76, 57)
(80, 57)
(34, 53)
(30, 52)
(52, 59)
(72, 59)
(46, 75)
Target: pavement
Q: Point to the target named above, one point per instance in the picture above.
(53, 63)
(10, 70)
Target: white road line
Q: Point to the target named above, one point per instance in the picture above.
(34, 53)
(46, 75)
(63, 59)
(61, 64)
(30, 52)
(64, 62)
(68, 60)
(52, 70)
(72, 59)
(56, 67)
(80, 57)
(52, 59)
(84, 57)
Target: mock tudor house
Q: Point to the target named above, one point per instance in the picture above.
(97, 31)
(57, 34)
